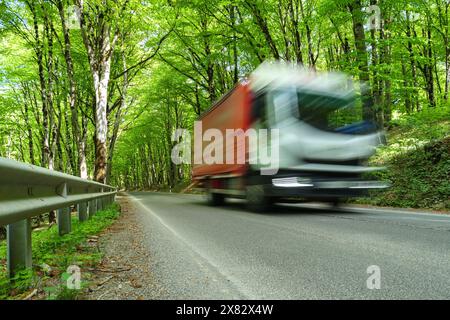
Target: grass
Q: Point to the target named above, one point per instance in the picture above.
(53, 254)
(418, 160)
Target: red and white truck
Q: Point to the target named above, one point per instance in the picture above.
(321, 145)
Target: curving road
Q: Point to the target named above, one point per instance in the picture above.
(294, 252)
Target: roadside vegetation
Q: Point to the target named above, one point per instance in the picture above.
(53, 254)
(418, 160)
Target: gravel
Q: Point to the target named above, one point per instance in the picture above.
(125, 272)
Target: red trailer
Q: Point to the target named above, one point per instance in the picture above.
(233, 111)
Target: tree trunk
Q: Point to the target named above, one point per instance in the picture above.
(48, 28)
(73, 95)
(293, 11)
(407, 95)
(29, 128)
(262, 24)
(38, 48)
(100, 64)
(386, 60)
(101, 122)
(429, 69)
(311, 58)
(409, 33)
(360, 43)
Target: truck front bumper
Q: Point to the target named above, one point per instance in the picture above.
(308, 188)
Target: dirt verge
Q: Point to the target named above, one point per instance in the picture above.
(124, 273)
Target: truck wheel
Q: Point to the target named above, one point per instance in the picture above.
(335, 203)
(257, 201)
(215, 199)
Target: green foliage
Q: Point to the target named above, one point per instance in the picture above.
(58, 252)
(418, 161)
(411, 132)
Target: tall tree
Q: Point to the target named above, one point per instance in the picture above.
(100, 36)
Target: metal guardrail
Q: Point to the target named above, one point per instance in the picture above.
(27, 191)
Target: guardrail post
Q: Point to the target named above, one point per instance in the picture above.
(19, 246)
(63, 216)
(82, 211)
(99, 204)
(64, 221)
(104, 201)
(92, 207)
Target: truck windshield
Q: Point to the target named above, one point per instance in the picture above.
(332, 113)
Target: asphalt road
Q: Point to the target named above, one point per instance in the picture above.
(294, 252)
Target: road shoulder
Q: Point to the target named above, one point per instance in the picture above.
(125, 272)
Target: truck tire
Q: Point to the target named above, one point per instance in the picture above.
(334, 203)
(257, 201)
(215, 199)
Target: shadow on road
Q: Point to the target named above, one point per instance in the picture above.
(239, 205)
(280, 209)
